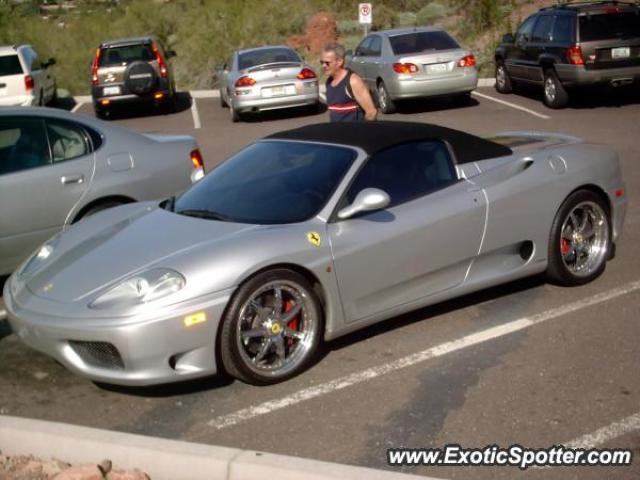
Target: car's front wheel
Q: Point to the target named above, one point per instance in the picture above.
(580, 239)
(271, 329)
(554, 95)
(503, 80)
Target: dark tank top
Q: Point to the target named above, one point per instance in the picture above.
(342, 107)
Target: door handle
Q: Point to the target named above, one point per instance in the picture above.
(70, 179)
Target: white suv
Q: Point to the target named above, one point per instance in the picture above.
(24, 79)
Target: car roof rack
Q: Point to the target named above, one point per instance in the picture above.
(588, 3)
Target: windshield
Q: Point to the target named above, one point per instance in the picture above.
(10, 65)
(262, 57)
(112, 56)
(420, 42)
(609, 26)
(269, 182)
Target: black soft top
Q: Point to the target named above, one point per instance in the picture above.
(373, 137)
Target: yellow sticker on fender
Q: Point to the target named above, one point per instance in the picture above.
(314, 238)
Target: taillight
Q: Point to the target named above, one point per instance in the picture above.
(94, 67)
(574, 55)
(468, 61)
(196, 158)
(161, 63)
(405, 68)
(245, 81)
(28, 83)
(306, 73)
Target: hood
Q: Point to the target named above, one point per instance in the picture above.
(108, 253)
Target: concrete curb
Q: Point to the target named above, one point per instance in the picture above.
(165, 459)
(482, 82)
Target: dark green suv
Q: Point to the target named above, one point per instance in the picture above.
(572, 45)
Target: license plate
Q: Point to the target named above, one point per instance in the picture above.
(620, 52)
(279, 91)
(437, 68)
(111, 90)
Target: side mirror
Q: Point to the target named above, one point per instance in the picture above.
(50, 62)
(171, 53)
(507, 38)
(367, 200)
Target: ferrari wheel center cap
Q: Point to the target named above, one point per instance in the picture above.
(276, 328)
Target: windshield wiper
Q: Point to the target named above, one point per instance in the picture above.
(202, 213)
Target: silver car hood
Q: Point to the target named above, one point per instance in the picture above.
(95, 255)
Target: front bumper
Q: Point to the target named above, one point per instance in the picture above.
(406, 86)
(151, 348)
(571, 75)
(18, 101)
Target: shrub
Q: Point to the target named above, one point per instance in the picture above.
(430, 13)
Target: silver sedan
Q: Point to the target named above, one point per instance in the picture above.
(266, 78)
(308, 235)
(57, 167)
(412, 63)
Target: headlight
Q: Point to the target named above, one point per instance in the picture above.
(142, 288)
(40, 257)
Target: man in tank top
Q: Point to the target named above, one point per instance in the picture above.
(348, 97)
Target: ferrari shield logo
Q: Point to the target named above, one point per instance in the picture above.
(314, 238)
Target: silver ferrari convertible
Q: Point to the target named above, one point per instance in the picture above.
(307, 235)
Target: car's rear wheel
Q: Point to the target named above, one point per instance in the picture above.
(223, 104)
(385, 102)
(503, 80)
(235, 115)
(271, 329)
(554, 95)
(99, 207)
(580, 239)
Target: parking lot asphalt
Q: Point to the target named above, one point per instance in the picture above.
(559, 380)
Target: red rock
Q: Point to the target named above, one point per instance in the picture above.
(80, 472)
(134, 474)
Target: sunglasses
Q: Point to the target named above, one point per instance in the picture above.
(325, 63)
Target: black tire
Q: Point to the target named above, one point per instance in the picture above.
(580, 240)
(140, 78)
(503, 80)
(99, 207)
(235, 115)
(101, 113)
(284, 348)
(385, 102)
(223, 104)
(554, 95)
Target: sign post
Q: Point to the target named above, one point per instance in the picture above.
(365, 15)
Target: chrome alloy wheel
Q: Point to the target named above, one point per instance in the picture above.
(550, 91)
(501, 76)
(276, 328)
(584, 239)
(382, 97)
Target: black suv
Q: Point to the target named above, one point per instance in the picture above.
(572, 45)
(132, 70)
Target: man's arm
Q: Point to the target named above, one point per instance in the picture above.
(363, 97)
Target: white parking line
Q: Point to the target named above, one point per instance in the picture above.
(243, 415)
(512, 105)
(77, 106)
(194, 113)
(603, 435)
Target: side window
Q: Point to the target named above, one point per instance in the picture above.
(542, 30)
(67, 140)
(23, 144)
(375, 49)
(35, 61)
(406, 171)
(363, 48)
(524, 32)
(563, 29)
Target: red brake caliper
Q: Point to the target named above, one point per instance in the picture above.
(293, 323)
(565, 247)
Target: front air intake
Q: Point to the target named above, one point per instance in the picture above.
(98, 354)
